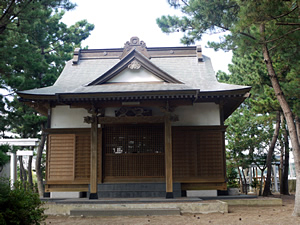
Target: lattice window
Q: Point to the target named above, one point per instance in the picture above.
(134, 150)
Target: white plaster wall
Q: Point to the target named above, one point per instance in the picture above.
(200, 114)
(66, 117)
(140, 75)
(110, 112)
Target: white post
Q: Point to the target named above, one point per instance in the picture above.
(275, 178)
(13, 169)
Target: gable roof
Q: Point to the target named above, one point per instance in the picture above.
(183, 72)
(133, 60)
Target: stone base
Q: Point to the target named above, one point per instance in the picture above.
(156, 207)
(65, 195)
(93, 196)
(169, 195)
(201, 193)
(233, 191)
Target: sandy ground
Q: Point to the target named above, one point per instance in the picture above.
(237, 215)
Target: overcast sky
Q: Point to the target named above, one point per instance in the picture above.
(116, 21)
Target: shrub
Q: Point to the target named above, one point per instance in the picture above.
(20, 205)
(232, 175)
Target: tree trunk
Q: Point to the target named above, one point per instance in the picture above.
(298, 127)
(245, 182)
(29, 169)
(38, 163)
(287, 114)
(23, 176)
(267, 188)
(240, 179)
(281, 164)
(284, 182)
(261, 181)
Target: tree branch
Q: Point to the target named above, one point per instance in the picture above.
(275, 39)
(289, 24)
(284, 14)
(242, 33)
(14, 15)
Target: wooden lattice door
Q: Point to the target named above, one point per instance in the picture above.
(133, 152)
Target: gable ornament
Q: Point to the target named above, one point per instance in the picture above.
(134, 65)
(135, 43)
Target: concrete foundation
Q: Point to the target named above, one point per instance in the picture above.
(255, 202)
(65, 195)
(156, 207)
(202, 193)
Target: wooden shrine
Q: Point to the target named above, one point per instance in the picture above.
(136, 115)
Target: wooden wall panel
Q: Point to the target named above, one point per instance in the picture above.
(184, 154)
(198, 154)
(82, 156)
(69, 157)
(210, 154)
(61, 157)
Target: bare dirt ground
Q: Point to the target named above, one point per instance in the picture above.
(237, 215)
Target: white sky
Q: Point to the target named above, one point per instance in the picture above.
(116, 21)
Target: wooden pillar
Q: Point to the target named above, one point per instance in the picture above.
(168, 157)
(94, 158)
(221, 106)
(100, 155)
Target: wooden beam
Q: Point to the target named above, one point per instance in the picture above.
(168, 157)
(134, 119)
(206, 186)
(143, 103)
(94, 145)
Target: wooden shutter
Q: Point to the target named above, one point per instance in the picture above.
(61, 157)
(198, 154)
(210, 154)
(82, 156)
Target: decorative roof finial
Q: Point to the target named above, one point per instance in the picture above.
(135, 43)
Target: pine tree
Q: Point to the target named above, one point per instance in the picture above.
(35, 46)
(270, 27)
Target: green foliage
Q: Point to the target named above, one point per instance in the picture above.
(24, 120)
(35, 46)
(242, 22)
(4, 158)
(20, 205)
(232, 176)
(254, 183)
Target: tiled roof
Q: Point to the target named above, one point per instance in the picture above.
(184, 66)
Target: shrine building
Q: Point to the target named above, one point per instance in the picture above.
(136, 121)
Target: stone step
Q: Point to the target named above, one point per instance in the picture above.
(136, 186)
(136, 190)
(124, 212)
(132, 194)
